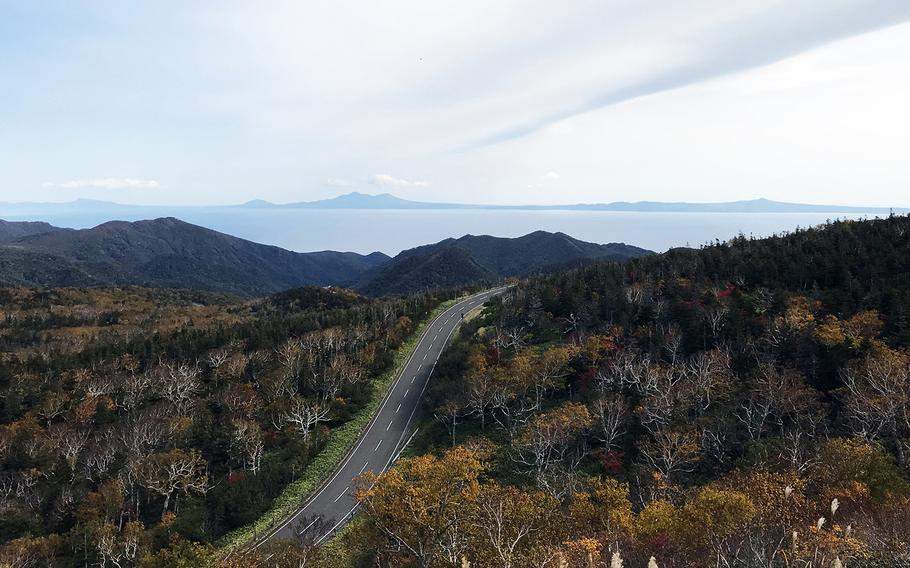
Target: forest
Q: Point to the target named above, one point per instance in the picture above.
(745, 404)
(141, 426)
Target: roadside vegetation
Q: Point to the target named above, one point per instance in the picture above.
(746, 404)
(340, 442)
(140, 427)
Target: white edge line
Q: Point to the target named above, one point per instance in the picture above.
(370, 427)
(430, 375)
(351, 512)
(363, 436)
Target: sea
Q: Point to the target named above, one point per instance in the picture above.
(391, 231)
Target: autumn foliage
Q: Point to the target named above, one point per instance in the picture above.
(137, 426)
(745, 404)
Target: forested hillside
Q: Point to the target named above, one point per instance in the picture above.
(482, 258)
(747, 404)
(13, 230)
(139, 426)
(170, 253)
(166, 253)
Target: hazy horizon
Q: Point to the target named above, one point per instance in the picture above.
(177, 206)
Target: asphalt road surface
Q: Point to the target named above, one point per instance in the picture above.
(384, 438)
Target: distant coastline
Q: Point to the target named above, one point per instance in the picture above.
(386, 201)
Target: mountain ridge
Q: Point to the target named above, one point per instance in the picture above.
(167, 252)
(388, 201)
(472, 258)
(170, 253)
(357, 200)
(13, 230)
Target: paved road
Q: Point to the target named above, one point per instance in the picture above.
(384, 438)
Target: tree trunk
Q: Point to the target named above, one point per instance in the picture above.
(167, 501)
(899, 448)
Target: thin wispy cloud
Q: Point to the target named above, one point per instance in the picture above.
(704, 100)
(106, 183)
(386, 180)
(771, 34)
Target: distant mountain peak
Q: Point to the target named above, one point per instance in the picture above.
(366, 198)
(11, 231)
(470, 258)
(171, 253)
(258, 203)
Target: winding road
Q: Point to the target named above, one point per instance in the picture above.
(384, 438)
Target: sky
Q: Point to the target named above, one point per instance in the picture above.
(218, 102)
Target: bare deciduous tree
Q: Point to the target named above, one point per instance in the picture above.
(169, 472)
(611, 414)
(247, 443)
(135, 389)
(670, 452)
(178, 383)
(291, 358)
(878, 398)
(68, 440)
(304, 415)
(548, 439)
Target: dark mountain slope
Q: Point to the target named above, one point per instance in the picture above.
(440, 268)
(13, 230)
(168, 252)
(472, 258)
(34, 269)
(521, 255)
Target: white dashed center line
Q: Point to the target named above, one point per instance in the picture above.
(342, 494)
(364, 467)
(377, 445)
(397, 409)
(306, 528)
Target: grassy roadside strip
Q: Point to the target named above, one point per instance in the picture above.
(343, 552)
(341, 441)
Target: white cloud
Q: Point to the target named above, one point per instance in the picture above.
(390, 181)
(272, 109)
(106, 183)
(442, 79)
(551, 176)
